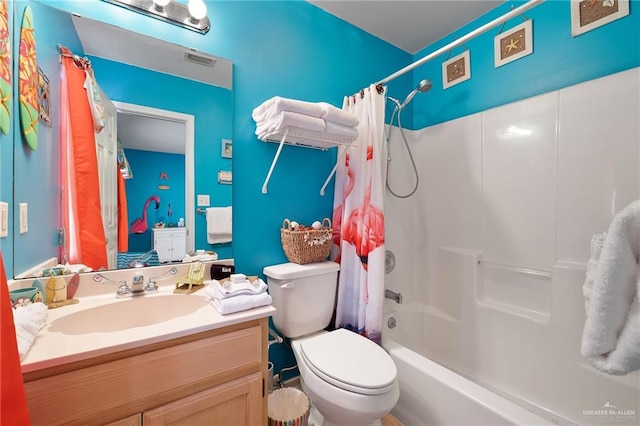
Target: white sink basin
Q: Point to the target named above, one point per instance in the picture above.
(125, 314)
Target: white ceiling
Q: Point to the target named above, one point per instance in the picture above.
(150, 134)
(410, 25)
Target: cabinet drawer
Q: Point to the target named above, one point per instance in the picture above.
(115, 389)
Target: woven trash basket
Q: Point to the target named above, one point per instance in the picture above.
(288, 407)
(306, 245)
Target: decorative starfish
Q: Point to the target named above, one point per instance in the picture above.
(592, 3)
(513, 44)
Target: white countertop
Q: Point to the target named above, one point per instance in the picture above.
(53, 347)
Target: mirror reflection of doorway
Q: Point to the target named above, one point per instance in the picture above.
(158, 145)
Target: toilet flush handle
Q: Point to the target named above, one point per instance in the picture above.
(288, 285)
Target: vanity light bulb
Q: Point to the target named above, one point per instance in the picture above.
(197, 9)
(161, 4)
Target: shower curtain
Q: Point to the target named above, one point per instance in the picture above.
(358, 218)
(84, 238)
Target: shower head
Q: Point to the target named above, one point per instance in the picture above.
(423, 86)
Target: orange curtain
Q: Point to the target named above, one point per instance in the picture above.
(123, 219)
(91, 237)
(13, 402)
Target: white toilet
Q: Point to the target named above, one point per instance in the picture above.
(349, 379)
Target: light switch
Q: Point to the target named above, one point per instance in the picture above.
(24, 218)
(4, 219)
(203, 200)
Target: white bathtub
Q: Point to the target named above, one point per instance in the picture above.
(431, 394)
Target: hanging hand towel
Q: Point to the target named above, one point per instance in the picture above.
(219, 225)
(240, 303)
(611, 337)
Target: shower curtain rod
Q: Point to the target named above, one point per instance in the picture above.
(486, 27)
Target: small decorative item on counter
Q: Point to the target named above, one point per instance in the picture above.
(306, 244)
(58, 293)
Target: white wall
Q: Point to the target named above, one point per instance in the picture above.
(521, 188)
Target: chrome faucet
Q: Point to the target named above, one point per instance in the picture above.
(397, 297)
(152, 285)
(138, 287)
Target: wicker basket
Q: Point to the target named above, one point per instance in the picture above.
(307, 245)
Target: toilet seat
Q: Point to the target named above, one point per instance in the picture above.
(350, 362)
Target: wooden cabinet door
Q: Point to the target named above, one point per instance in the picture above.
(135, 420)
(239, 402)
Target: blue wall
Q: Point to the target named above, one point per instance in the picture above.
(146, 167)
(558, 60)
(212, 108)
(37, 172)
(6, 172)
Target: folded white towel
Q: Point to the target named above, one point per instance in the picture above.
(611, 336)
(28, 321)
(287, 118)
(240, 303)
(337, 115)
(219, 225)
(341, 130)
(199, 258)
(274, 106)
(227, 289)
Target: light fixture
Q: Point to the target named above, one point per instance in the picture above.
(192, 16)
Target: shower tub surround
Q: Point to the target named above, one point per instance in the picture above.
(491, 251)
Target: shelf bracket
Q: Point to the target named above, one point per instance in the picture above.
(275, 160)
(341, 155)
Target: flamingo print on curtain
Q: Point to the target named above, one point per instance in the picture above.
(358, 219)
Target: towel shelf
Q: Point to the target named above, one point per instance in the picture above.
(307, 139)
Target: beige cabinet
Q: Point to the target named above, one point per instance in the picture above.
(214, 377)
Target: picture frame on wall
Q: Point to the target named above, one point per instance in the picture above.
(227, 148)
(513, 44)
(587, 15)
(456, 70)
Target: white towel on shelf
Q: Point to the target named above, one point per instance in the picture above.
(240, 303)
(341, 130)
(219, 225)
(337, 115)
(227, 289)
(611, 336)
(28, 321)
(272, 107)
(287, 118)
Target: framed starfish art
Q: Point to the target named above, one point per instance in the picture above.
(589, 14)
(513, 44)
(456, 70)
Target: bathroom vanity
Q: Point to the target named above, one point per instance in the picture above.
(159, 365)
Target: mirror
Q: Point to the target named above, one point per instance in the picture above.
(165, 96)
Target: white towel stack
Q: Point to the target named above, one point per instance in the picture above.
(237, 295)
(28, 321)
(275, 115)
(611, 336)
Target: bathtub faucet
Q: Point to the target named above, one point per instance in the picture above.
(397, 297)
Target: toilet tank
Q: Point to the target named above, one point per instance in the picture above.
(303, 295)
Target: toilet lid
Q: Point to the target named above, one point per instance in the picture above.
(350, 362)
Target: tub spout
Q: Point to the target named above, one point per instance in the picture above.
(397, 297)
